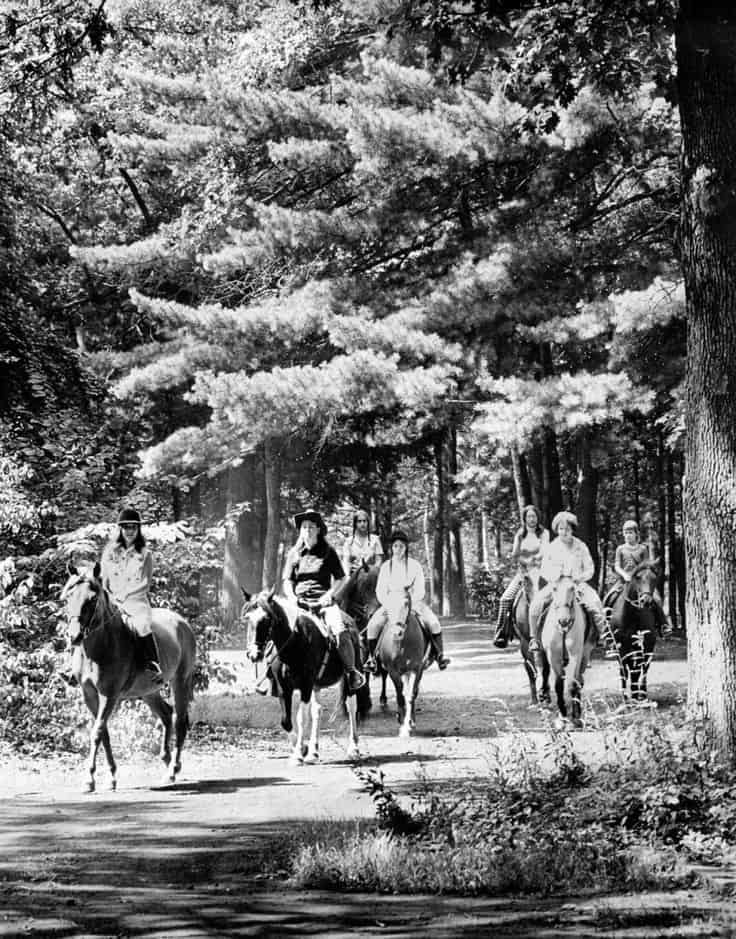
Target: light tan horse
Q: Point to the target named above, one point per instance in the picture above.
(403, 651)
(108, 668)
(567, 646)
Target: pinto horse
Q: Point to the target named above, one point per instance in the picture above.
(304, 659)
(520, 623)
(634, 623)
(403, 651)
(567, 644)
(108, 669)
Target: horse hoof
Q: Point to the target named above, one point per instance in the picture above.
(113, 785)
(89, 786)
(296, 759)
(404, 733)
(353, 752)
(311, 759)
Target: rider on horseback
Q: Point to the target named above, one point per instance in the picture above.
(396, 576)
(312, 574)
(126, 572)
(628, 557)
(362, 547)
(529, 544)
(566, 556)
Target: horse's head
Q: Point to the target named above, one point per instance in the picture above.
(643, 583)
(81, 594)
(531, 581)
(258, 615)
(398, 608)
(562, 608)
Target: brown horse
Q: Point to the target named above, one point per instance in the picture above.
(520, 622)
(567, 643)
(107, 666)
(403, 651)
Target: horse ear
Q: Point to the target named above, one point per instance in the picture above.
(96, 571)
(246, 595)
(71, 569)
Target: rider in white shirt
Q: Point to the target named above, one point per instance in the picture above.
(397, 576)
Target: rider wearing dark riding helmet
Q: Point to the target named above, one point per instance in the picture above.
(312, 575)
(396, 576)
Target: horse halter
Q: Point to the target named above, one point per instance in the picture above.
(643, 598)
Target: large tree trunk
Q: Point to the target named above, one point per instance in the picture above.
(438, 553)
(243, 545)
(521, 480)
(272, 540)
(671, 547)
(706, 53)
(456, 561)
(587, 499)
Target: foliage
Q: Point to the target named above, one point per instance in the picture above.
(485, 588)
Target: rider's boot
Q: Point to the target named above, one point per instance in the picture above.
(500, 639)
(371, 665)
(356, 679)
(151, 658)
(439, 650)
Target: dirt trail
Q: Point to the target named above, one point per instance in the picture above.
(187, 860)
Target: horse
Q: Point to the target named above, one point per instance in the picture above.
(567, 644)
(520, 624)
(107, 666)
(403, 651)
(306, 660)
(357, 597)
(634, 623)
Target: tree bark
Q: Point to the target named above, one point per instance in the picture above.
(661, 509)
(439, 526)
(521, 480)
(456, 564)
(587, 499)
(551, 477)
(637, 488)
(242, 562)
(706, 56)
(671, 548)
(272, 540)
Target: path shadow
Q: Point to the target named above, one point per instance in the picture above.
(204, 786)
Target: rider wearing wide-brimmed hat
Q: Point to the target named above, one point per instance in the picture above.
(312, 574)
(566, 556)
(399, 574)
(126, 572)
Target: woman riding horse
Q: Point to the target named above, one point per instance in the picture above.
(397, 576)
(362, 547)
(312, 575)
(530, 541)
(566, 556)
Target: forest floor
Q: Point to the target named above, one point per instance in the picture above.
(193, 858)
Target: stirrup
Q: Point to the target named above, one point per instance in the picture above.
(442, 662)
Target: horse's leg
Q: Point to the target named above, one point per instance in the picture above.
(351, 704)
(312, 755)
(297, 753)
(164, 712)
(400, 699)
(531, 672)
(560, 694)
(407, 704)
(573, 684)
(182, 688)
(102, 707)
(383, 700)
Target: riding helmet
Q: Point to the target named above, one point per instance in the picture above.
(399, 535)
(129, 516)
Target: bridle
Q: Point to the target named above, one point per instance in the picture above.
(84, 628)
(642, 599)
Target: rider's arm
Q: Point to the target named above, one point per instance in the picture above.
(288, 581)
(382, 583)
(618, 565)
(516, 548)
(417, 582)
(377, 550)
(346, 559)
(587, 566)
(337, 575)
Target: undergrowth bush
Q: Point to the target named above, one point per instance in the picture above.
(542, 822)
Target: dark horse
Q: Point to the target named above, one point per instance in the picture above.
(520, 623)
(403, 651)
(304, 659)
(108, 667)
(634, 623)
(357, 597)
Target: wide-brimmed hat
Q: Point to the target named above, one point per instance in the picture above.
(399, 535)
(129, 516)
(564, 517)
(309, 515)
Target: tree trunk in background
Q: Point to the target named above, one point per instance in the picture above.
(661, 509)
(485, 554)
(636, 494)
(428, 550)
(534, 464)
(551, 477)
(587, 499)
(671, 549)
(706, 55)
(605, 539)
(272, 540)
(456, 564)
(521, 480)
(438, 553)
(243, 547)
